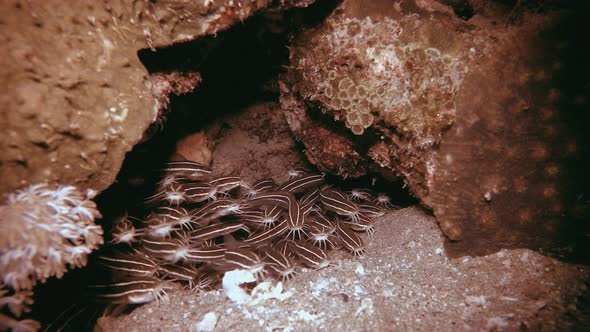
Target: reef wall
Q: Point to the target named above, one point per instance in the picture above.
(466, 112)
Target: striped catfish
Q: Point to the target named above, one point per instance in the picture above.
(226, 183)
(215, 230)
(360, 195)
(320, 234)
(216, 209)
(349, 239)
(384, 201)
(372, 210)
(269, 235)
(295, 217)
(311, 256)
(245, 259)
(124, 231)
(297, 172)
(339, 203)
(302, 183)
(284, 248)
(279, 263)
(204, 281)
(129, 263)
(170, 250)
(176, 272)
(161, 230)
(260, 187)
(259, 219)
(363, 224)
(196, 192)
(192, 170)
(176, 215)
(172, 194)
(320, 217)
(208, 254)
(133, 290)
(308, 200)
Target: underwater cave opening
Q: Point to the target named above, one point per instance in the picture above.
(240, 69)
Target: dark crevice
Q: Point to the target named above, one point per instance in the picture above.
(42, 145)
(573, 84)
(239, 67)
(461, 8)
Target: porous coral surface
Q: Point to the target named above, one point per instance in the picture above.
(388, 68)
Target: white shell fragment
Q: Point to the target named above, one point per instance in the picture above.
(208, 323)
(360, 269)
(366, 307)
(307, 317)
(231, 285)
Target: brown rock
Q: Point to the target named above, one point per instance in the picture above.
(467, 112)
(327, 148)
(194, 147)
(75, 97)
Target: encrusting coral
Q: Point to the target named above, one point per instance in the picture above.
(474, 117)
(362, 75)
(44, 232)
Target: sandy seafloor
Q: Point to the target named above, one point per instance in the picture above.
(405, 282)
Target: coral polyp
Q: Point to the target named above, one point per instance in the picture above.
(44, 231)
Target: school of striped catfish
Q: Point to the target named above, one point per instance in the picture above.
(202, 226)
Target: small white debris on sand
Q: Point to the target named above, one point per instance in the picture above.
(358, 290)
(320, 286)
(387, 292)
(207, 324)
(266, 291)
(366, 306)
(496, 323)
(359, 269)
(306, 316)
(479, 301)
(439, 251)
(231, 285)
